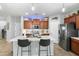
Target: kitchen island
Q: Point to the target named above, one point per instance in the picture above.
(34, 46)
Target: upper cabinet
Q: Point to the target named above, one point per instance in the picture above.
(74, 18)
(42, 23)
(77, 21)
(71, 19)
(36, 22)
(27, 24)
(45, 24)
(66, 20)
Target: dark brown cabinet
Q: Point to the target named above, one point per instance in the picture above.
(66, 20)
(41, 24)
(36, 22)
(75, 46)
(44, 24)
(70, 19)
(27, 24)
(77, 21)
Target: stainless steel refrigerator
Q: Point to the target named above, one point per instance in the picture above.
(66, 31)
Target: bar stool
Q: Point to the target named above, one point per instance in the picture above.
(22, 44)
(44, 43)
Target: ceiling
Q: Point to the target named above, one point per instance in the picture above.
(19, 9)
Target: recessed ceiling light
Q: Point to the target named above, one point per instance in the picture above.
(44, 14)
(26, 13)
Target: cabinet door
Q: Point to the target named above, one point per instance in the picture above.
(77, 22)
(72, 19)
(36, 21)
(75, 46)
(44, 25)
(27, 24)
(66, 20)
(41, 24)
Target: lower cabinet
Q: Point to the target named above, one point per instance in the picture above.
(75, 46)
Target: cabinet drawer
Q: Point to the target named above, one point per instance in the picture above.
(75, 40)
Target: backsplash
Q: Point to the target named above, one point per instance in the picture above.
(30, 31)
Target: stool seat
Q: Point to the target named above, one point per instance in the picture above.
(23, 43)
(44, 42)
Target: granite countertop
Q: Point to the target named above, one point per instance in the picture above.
(30, 38)
(77, 38)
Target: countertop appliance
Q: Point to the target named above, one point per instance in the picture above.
(35, 27)
(66, 31)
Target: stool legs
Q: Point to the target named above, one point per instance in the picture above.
(39, 51)
(21, 51)
(48, 49)
(29, 50)
(17, 50)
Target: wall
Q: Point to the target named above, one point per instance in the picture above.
(17, 26)
(14, 26)
(2, 24)
(54, 27)
(14, 23)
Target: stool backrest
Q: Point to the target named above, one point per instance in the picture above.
(23, 43)
(44, 42)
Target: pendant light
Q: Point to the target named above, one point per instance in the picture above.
(33, 7)
(26, 13)
(63, 9)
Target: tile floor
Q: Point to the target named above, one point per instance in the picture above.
(58, 51)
